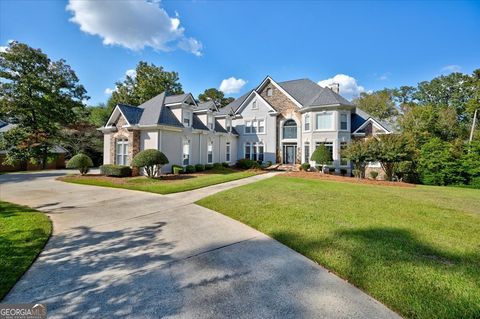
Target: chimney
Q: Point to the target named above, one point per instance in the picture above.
(335, 87)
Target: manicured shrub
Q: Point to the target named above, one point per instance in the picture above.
(373, 174)
(116, 170)
(217, 165)
(199, 167)
(321, 156)
(151, 160)
(208, 166)
(331, 170)
(245, 163)
(81, 162)
(177, 169)
(189, 169)
(225, 164)
(343, 171)
(305, 167)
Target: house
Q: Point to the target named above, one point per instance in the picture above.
(278, 122)
(58, 151)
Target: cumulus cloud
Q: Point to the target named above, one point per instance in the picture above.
(232, 85)
(451, 68)
(109, 91)
(132, 24)
(131, 73)
(349, 87)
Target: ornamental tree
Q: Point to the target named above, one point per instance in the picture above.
(82, 162)
(151, 160)
(321, 156)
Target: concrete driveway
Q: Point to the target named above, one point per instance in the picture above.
(126, 253)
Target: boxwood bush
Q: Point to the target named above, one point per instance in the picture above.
(199, 167)
(81, 162)
(151, 160)
(189, 169)
(245, 163)
(305, 167)
(225, 164)
(177, 169)
(217, 165)
(208, 166)
(116, 170)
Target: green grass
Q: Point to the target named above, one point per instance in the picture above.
(416, 249)
(23, 234)
(160, 186)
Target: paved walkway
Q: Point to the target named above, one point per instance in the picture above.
(117, 252)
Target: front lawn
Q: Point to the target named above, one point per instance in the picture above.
(23, 234)
(165, 185)
(416, 249)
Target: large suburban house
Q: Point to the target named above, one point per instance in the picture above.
(277, 122)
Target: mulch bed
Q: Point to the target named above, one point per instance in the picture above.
(337, 178)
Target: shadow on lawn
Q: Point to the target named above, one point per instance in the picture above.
(405, 264)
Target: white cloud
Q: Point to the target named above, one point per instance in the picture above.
(131, 73)
(232, 85)
(132, 24)
(109, 91)
(3, 49)
(451, 68)
(349, 87)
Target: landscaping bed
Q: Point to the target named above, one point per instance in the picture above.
(165, 184)
(415, 249)
(346, 179)
(23, 234)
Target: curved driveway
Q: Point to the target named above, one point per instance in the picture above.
(117, 252)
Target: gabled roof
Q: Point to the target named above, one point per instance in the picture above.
(132, 113)
(360, 117)
(205, 106)
(219, 128)
(198, 124)
(309, 93)
(155, 112)
(179, 98)
(233, 106)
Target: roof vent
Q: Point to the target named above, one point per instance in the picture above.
(335, 87)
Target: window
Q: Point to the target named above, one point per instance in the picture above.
(254, 127)
(248, 127)
(210, 152)
(186, 152)
(254, 105)
(122, 151)
(186, 118)
(290, 129)
(324, 121)
(343, 121)
(329, 146)
(228, 124)
(343, 160)
(210, 121)
(307, 122)
(227, 152)
(306, 152)
(247, 150)
(260, 151)
(269, 92)
(261, 126)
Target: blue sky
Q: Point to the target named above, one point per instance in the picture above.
(372, 44)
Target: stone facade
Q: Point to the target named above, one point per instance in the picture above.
(122, 132)
(287, 109)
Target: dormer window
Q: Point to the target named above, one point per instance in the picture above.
(269, 92)
(210, 121)
(228, 124)
(186, 118)
(254, 105)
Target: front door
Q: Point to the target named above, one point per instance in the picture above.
(289, 154)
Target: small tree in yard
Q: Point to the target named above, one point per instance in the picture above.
(390, 150)
(151, 160)
(321, 156)
(359, 153)
(82, 162)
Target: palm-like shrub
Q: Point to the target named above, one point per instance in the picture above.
(81, 162)
(151, 160)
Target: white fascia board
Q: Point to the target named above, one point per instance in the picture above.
(113, 112)
(374, 122)
(268, 78)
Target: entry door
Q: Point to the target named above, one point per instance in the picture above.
(290, 154)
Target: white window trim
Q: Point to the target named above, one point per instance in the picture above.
(307, 144)
(208, 144)
(124, 157)
(254, 125)
(340, 122)
(304, 122)
(186, 141)
(210, 125)
(228, 146)
(244, 150)
(333, 149)
(269, 92)
(190, 117)
(254, 105)
(332, 122)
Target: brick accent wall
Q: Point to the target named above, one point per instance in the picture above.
(287, 109)
(123, 132)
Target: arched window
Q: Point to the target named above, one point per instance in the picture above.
(269, 92)
(290, 129)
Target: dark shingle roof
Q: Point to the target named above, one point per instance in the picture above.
(132, 113)
(219, 127)
(208, 105)
(198, 124)
(309, 93)
(360, 116)
(233, 107)
(179, 98)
